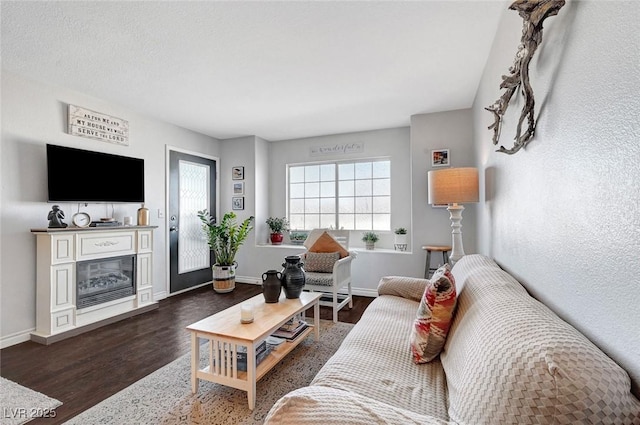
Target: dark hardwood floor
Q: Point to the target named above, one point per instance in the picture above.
(88, 368)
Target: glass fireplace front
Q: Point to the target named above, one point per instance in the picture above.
(105, 279)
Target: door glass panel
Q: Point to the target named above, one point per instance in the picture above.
(193, 250)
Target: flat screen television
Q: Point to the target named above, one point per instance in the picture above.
(76, 175)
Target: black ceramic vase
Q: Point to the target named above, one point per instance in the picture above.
(271, 286)
(292, 276)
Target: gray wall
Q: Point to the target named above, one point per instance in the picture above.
(390, 143)
(409, 149)
(257, 256)
(34, 114)
(564, 215)
(451, 130)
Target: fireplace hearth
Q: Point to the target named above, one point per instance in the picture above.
(105, 279)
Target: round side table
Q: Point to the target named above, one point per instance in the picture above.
(428, 270)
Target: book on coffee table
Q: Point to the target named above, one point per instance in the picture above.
(262, 351)
(292, 323)
(274, 341)
(290, 334)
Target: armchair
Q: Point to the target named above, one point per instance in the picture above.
(335, 285)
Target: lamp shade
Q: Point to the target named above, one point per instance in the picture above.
(453, 186)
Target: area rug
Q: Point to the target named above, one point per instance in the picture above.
(164, 397)
(20, 404)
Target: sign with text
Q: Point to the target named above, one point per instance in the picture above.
(338, 149)
(94, 125)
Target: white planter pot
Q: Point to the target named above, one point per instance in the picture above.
(400, 243)
(224, 278)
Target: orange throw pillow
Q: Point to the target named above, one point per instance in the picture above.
(327, 243)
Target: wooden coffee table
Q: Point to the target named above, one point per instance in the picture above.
(226, 334)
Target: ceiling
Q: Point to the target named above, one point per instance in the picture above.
(277, 70)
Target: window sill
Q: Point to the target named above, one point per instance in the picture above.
(301, 248)
(379, 251)
(281, 246)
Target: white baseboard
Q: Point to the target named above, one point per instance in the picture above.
(160, 295)
(365, 292)
(16, 338)
(249, 279)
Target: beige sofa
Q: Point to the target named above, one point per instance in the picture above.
(508, 360)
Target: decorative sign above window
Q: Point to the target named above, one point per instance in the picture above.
(94, 125)
(340, 149)
(533, 13)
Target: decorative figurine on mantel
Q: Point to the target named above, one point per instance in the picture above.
(56, 215)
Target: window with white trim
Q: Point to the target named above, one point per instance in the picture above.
(354, 195)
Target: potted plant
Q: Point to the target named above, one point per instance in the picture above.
(400, 243)
(224, 239)
(370, 239)
(298, 237)
(277, 225)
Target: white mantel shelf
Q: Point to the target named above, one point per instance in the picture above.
(89, 229)
(58, 251)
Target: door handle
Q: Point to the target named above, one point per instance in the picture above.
(173, 229)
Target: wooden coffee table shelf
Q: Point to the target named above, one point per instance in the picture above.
(226, 334)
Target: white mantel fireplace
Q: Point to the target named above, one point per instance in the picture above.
(89, 277)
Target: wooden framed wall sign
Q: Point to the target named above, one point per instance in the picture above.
(95, 125)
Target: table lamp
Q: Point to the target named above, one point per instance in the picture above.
(454, 186)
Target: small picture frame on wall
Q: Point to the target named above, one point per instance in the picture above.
(238, 188)
(440, 158)
(237, 203)
(237, 173)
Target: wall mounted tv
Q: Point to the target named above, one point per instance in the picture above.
(76, 175)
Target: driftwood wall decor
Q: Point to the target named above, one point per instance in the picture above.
(533, 13)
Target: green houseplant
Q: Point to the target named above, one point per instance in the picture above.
(298, 237)
(224, 239)
(277, 225)
(370, 239)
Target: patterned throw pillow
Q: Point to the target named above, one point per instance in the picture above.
(321, 262)
(327, 243)
(435, 313)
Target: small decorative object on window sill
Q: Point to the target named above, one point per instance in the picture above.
(533, 14)
(400, 243)
(277, 225)
(370, 239)
(298, 238)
